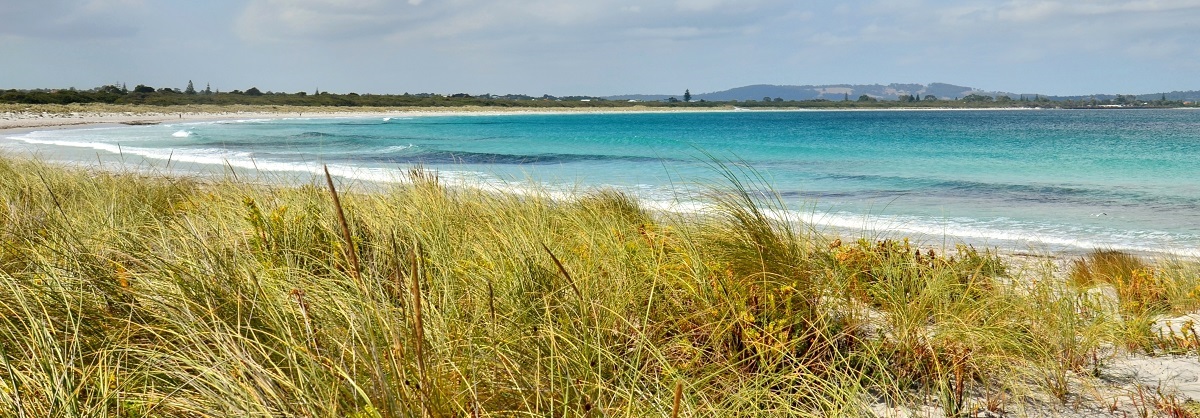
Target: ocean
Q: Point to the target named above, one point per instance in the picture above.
(1038, 180)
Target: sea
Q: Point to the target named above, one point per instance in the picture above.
(1054, 181)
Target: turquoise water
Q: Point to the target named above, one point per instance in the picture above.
(1050, 179)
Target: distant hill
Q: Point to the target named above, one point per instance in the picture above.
(828, 92)
(1182, 96)
(837, 92)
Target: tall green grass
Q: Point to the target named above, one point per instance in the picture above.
(158, 296)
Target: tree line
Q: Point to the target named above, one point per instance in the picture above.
(190, 95)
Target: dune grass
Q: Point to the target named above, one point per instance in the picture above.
(136, 296)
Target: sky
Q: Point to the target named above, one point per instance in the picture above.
(600, 47)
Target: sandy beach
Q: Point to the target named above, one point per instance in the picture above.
(28, 117)
(67, 118)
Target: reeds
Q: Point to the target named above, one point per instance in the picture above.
(127, 296)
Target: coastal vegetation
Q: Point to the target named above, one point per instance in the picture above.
(133, 294)
(147, 95)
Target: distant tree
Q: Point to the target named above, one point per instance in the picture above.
(930, 98)
(864, 98)
(190, 89)
(142, 88)
(672, 99)
(778, 99)
(766, 98)
(111, 89)
(168, 90)
(253, 91)
(302, 93)
(973, 97)
(687, 95)
(845, 97)
(207, 89)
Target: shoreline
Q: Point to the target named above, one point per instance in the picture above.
(80, 117)
(1031, 252)
(14, 117)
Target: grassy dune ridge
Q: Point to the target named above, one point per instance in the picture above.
(128, 295)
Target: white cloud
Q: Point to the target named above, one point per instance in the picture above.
(70, 19)
(484, 20)
(1030, 29)
(700, 5)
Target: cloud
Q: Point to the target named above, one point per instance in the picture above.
(1058, 14)
(1029, 29)
(71, 19)
(486, 20)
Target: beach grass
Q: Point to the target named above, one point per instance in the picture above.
(131, 295)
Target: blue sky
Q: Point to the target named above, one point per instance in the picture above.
(600, 47)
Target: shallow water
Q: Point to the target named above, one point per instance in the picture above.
(1053, 180)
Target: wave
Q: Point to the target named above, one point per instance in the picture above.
(396, 148)
(181, 134)
(36, 139)
(1004, 232)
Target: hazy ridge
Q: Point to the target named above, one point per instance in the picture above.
(883, 92)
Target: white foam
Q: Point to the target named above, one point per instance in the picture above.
(181, 134)
(999, 231)
(31, 138)
(1002, 232)
(395, 148)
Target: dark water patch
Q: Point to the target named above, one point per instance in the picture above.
(894, 186)
(315, 135)
(426, 156)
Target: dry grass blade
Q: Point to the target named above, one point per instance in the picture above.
(1196, 341)
(351, 254)
(678, 397)
(418, 319)
(562, 269)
